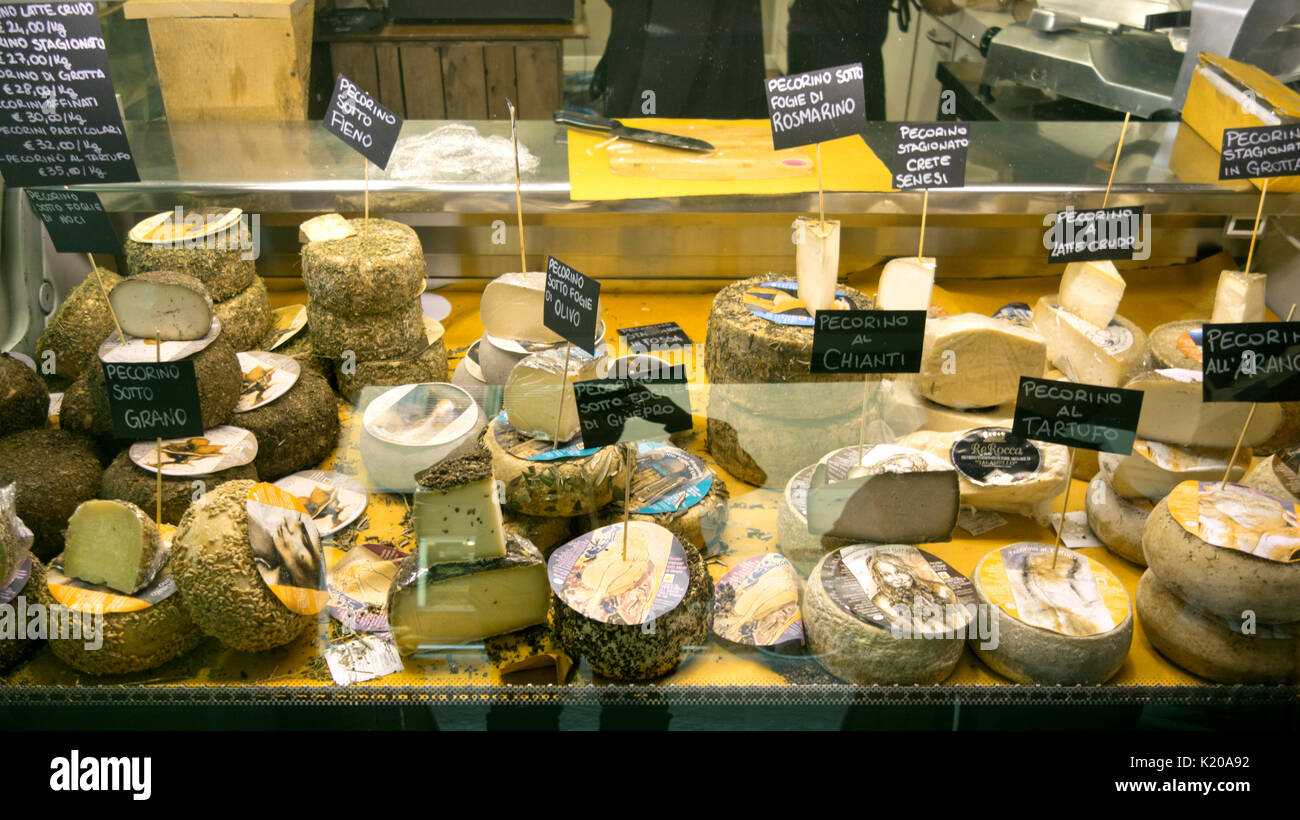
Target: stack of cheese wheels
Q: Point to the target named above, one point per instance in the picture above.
(886, 614)
(1221, 596)
(124, 480)
(630, 607)
(73, 334)
(429, 364)
(409, 428)
(1062, 618)
(211, 246)
(766, 411)
(364, 280)
(1273, 475)
(512, 313)
(24, 398)
(1126, 488)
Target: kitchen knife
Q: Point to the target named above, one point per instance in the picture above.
(617, 129)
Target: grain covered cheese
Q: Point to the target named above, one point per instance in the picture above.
(193, 246)
(1174, 412)
(123, 479)
(886, 494)
(296, 431)
(52, 471)
(1117, 521)
(395, 334)
(970, 360)
(246, 316)
(1107, 356)
(79, 325)
(1239, 297)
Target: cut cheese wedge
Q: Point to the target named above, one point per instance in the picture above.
(1092, 291)
(970, 360)
(512, 308)
(163, 305)
(1106, 356)
(539, 395)
(817, 262)
(891, 495)
(456, 514)
(1173, 412)
(906, 283)
(1239, 297)
(113, 543)
(1154, 468)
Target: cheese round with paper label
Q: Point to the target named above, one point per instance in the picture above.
(1178, 344)
(1116, 520)
(248, 564)
(1153, 469)
(886, 614)
(765, 449)
(126, 481)
(378, 269)
(296, 431)
(216, 372)
(205, 243)
(998, 470)
(631, 615)
(1272, 475)
(410, 428)
(759, 343)
(757, 603)
(1173, 411)
(677, 491)
(1207, 545)
(541, 480)
(1067, 624)
(1220, 649)
(1108, 356)
(803, 548)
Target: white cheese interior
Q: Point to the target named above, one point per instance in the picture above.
(906, 283)
(512, 306)
(168, 311)
(970, 360)
(104, 544)
(539, 393)
(469, 607)
(1239, 297)
(1092, 291)
(459, 524)
(817, 263)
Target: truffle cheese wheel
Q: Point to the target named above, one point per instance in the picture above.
(125, 481)
(24, 399)
(246, 316)
(378, 269)
(1117, 521)
(53, 471)
(296, 431)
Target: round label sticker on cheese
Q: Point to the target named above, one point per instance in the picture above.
(1077, 596)
(1237, 517)
(217, 449)
(184, 227)
(11, 586)
(757, 602)
(333, 500)
(285, 323)
(591, 575)
(1189, 344)
(534, 449)
(138, 351)
(667, 479)
(267, 377)
(359, 584)
(899, 588)
(286, 549)
(990, 456)
(1113, 339)
(778, 301)
(421, 415)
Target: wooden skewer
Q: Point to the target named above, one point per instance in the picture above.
(519, 201)
(1115, 162)
(157, 357)
(821, 208)
(925, 206)
(564, 381)
(100, 279)
(1254, 232)
(1065, 504)
(627, 496)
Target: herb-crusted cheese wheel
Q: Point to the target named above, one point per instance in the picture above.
(392, 335)
(1172, 345)
(855, 649)
(1221, 580)
(296, 431)
(801, 547)
(562, 488)
(1174, 412)
(24, 398)
(1069, 624)
(53, 471)
(640, 651)
(378, 269)
(216, 371)
(223, 272)
(300, 350)
(80, 325)
(970, 360)
(246, 316)
(1213, 647)
(1272, 475)
(16, 649)
(429, 365)
(765, 449)
(162, 305)
(1117, 521)
(764, 361)
(112, 543)
(125, 481)
(1108, 356)
(221, 588)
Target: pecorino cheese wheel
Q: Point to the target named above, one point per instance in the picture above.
(296, 431)
(1117, 521)
(76, 330)
(246, 316)
(54, 471)
(125, 481)
(391, 335)
(24, 399)
(378, 269)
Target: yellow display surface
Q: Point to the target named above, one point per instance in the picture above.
(744, 163)
(1154, 296)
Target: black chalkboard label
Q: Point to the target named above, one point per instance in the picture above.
(75, 220)
(1251, 361)
(1088, 235)
(1261, 151)
(867, 341)
(358, 119)
(816, 106)
(1077, 415)
(148, 400)
(60, 124)
(570, 304)
(647, 338)
(615, 410)
(929, 155)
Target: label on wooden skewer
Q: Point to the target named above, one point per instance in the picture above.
(929, 155)
(615, 410)
(571, 304)
(1260, 151)
(1077, 415)
(868, 341)
(358, 119)
(75, 220)
(1089, 235)
(816, 106)
(1251, 362)
(150, 400)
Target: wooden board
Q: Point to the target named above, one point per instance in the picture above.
(422, 82)
(499, 70)
(464, 87)
(389, 68)
(151, 9)
(356, 61)
(541, 82)
(742, 153)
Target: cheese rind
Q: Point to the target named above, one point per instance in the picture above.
(1115, 520)
(1174, 412)
(803, 548)
(113, 543)
(24, 398)
(1107, 356)
(392, 335)
(1092, 291)
(538, 397)
(295, 432)
(894, 495)
(1239, 297)
(906, 283)
(124, 480)
(562, 488)
(162, 305)
(53, 471)
(378, 269)
(1153, 469)
(970, 360)
(429, 365)
(1172, 345)
(1272, 475)
(81, 323)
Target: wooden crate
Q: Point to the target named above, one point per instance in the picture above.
(230, 59)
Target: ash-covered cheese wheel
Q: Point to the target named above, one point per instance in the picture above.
(378, 269)
(1219, 649)
(246, 316)
(537, 481)
(1173, 411)
(53, 471)
(1206, 544)
(971, 360)
(428, 365)
(159, 243)
(81, 323)
(216, 372)
(24, 398)
(296, 431)
(24, 580)
(1153, 469)
(883, 614)
(1178, 344)
(162, 305)
(1107, 356)
(113, 543)
(397, 333)
(218, 571)
(128, 637)
(759, 343)
(764, 448)
(126, 481)
(1068, 622)
(1117, 521)
(631, 615)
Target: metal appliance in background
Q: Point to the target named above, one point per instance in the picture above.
(1137, 56)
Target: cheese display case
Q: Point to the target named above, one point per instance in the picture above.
(392, 502)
